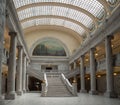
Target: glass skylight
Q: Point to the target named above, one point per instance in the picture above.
(85, 12)
(93, 6)
(51, 21)
(112, 1)
(57, 11)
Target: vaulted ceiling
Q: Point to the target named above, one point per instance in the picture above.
(80, 16)
(77, 18)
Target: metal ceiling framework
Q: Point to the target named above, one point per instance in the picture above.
(81, 16)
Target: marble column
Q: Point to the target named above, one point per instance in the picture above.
(82, 75)
(69, 67)
(27, 82)
(74, 65)
(109, 69)
(19, 71)
(24, 74)
(3, 83)
(11, 67)
(2, 27)
(92, 72)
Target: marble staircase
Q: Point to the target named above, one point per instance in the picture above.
(56, 88)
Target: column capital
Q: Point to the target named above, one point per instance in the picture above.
(82, 56)
(110, 37)
(19, 47)
(12, 33)
(93, 49)
(24, 55)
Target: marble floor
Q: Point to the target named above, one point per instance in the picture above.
(82, 99)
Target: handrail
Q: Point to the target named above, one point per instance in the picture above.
(66, 80)
(67, 83)
(45, 78)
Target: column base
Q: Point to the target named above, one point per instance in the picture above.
(92, 92)
(83, 91)
(110, 94)
(24, 91)
(27, 90)
(2, 102)
(10, 96)
(1, 97)
(19, 93)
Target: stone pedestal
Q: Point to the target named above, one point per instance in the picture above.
(19, 71)
(43, 94)
(109, 69)
(82, 75)
(11, 68)
(74, 84)
(92, 73)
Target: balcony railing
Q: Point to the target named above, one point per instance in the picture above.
(5, 56)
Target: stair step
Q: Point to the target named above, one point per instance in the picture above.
(56, 88)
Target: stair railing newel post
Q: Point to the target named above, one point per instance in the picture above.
(71, 87)
(44, 86)
(74, 85)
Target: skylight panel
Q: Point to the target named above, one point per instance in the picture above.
(57, 22)
(84, 19)
(112, 1)
(93, 6)
(75, 27)
(51, 21)
(57, 11)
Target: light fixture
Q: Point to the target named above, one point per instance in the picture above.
(96, 54)
(114, 73)
(88, 78)
(99, 76)
(86, 59)
(4, 42)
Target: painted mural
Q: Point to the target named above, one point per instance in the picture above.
(49, 48)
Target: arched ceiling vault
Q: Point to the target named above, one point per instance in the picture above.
(57, 17)
(82, 16)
